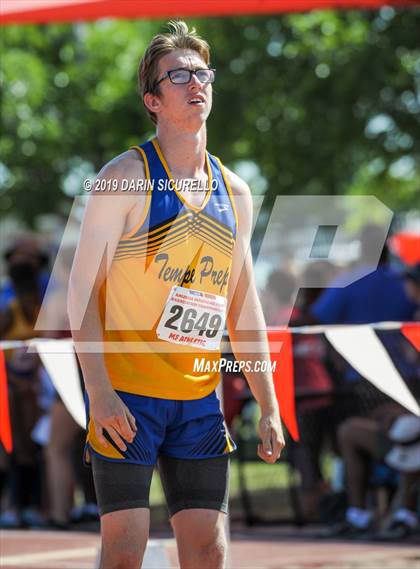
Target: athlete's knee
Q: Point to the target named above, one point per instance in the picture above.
(214, 552)
(208, 546)
(124, 538)
(211, 552)
(125, 560)
(121, 556)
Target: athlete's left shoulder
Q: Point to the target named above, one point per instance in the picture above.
(239, 187)
(242, 197)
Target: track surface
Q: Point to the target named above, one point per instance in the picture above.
(250, 549)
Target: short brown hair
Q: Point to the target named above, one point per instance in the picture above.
(178, 37)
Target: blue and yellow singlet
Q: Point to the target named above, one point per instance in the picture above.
(173, 244)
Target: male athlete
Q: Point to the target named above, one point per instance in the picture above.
(176, 261)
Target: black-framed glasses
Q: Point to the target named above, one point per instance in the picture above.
(183, 75)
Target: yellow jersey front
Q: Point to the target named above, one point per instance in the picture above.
(175, 248)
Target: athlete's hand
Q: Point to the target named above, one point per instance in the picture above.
(271, 435)
(108, 412)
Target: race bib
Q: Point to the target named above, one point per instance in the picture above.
(193, 318)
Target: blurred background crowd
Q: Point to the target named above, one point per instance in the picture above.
(357, 464)
(292, 116)
(371, 485)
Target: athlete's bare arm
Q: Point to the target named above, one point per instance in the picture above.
(108, 215)
(245, 304)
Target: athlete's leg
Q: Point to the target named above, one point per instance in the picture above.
(123, 499)
(124, 537)
(197, 494)
(201, 538)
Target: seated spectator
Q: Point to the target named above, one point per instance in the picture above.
(366, 413)
(363, 441)
(404, 457)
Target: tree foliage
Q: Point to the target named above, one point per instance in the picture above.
(325, 102)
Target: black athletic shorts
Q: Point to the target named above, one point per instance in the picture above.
(187, 483)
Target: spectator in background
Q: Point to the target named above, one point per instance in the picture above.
(404, 457)
(378, 296)
(363, 442)
(411, 354)
(25, 260)
(402, 352)
(67, 438)
(25, 248)
(278, 298)
(313, 385)
(391, 437)
(312, 380)
(412, 287)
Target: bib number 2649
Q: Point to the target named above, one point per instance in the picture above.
(205, 323)
(193, 317)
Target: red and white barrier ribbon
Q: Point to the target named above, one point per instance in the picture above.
(357, 344)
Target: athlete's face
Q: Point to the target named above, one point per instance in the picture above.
(187, 104)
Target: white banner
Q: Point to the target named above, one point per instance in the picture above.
(59, 360)
(363, 350)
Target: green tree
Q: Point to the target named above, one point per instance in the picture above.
(325, 102)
